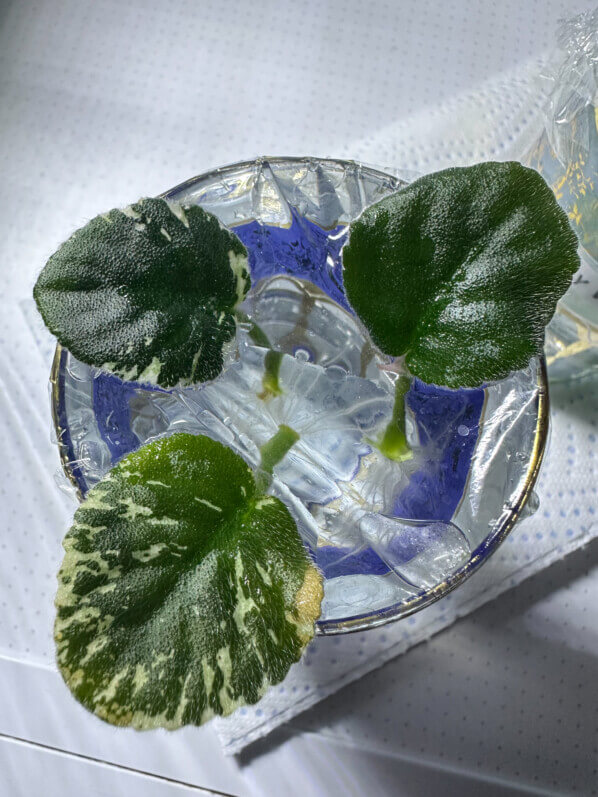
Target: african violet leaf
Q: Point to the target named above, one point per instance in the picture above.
(147, 292)
(184, 591)
(461, 271)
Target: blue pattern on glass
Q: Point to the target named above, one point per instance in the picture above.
(439, 414)
(434, 491)
(334, 562)
(111, 397)
(303, 250)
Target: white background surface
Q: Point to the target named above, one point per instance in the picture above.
(103, 102)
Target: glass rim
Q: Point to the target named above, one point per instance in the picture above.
(281, 160)
(377, 617)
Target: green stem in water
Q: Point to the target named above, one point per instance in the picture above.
(394, 443)
(272, 452)
(270, 384)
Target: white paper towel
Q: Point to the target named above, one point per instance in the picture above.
(499, 120)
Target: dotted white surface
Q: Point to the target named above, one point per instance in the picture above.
(104, 102)
(504, 702)
(503, 691)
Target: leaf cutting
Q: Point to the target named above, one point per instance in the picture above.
(147, 293)
(185, 590)
(460, 271)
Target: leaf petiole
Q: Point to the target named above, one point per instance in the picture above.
(272, 360)
(272, 452)
(255, 332)
(394, 443)
(270, 384)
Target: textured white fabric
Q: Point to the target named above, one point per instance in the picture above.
(498, 120)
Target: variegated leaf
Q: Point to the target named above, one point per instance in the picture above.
(184, 592)
(147, 292)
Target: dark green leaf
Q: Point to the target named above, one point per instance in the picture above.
(461, 271)
(147, 293)
(184, 592)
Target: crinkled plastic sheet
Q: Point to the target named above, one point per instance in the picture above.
(566, 154)
(571, 108)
